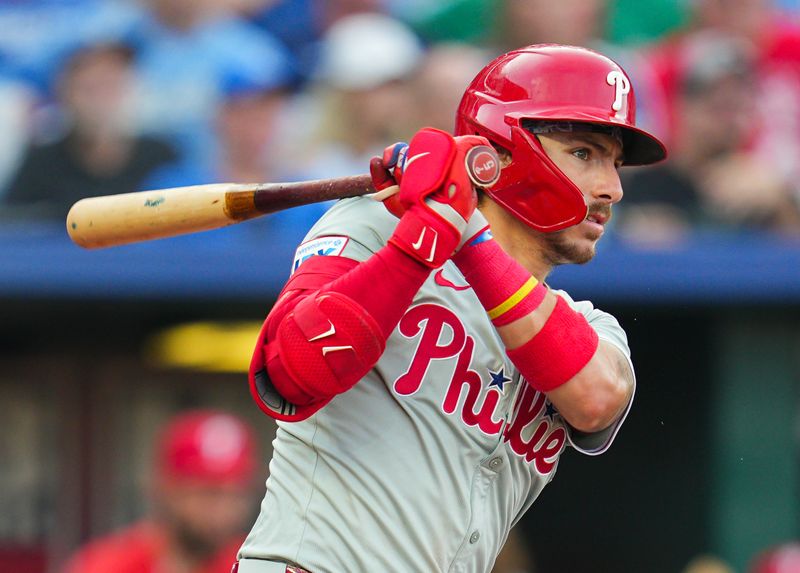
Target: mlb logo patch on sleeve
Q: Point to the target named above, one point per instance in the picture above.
(323, 246)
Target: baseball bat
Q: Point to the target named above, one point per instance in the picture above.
(113, 220)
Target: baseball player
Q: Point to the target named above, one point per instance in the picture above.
(424, 377)
(203, 478)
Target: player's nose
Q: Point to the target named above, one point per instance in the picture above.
(608, 187)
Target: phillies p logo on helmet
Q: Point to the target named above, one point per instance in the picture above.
(622, 86)
(483, 166)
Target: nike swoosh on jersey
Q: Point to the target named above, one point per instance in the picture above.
(440, 280)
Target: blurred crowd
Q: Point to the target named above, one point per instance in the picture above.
(111, 96)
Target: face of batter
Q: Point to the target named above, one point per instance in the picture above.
(591, 161)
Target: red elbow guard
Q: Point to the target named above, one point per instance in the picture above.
(320, 349)
(559, 350)
(327, 344)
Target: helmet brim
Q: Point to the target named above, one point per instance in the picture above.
(641, 148)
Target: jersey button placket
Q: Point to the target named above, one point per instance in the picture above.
(475, 536)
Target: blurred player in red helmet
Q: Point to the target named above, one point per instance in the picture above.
(424, 377)
(205, 464)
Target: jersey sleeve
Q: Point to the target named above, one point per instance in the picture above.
(353, 228)
(609, 330)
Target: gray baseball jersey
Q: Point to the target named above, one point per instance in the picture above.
(427, 463)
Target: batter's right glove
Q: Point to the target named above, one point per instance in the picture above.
(436, 194)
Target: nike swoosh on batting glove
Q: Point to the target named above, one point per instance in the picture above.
(437, 192)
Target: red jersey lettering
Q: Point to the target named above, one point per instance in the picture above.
(544, 446)
(435, 318)
(464, 377)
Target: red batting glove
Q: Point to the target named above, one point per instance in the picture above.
(437, 195)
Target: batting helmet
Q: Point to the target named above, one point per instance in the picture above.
(206, 446)
(543, 88)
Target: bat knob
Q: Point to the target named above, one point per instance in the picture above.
(483, 165)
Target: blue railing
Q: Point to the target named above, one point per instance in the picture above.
(251, 262)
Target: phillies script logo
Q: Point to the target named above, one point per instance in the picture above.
(530, 435)
(483, 166)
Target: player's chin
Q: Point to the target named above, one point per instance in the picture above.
(583, 253)
(583, 242)
(569, 249)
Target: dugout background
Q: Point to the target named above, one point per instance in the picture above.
(706, 463)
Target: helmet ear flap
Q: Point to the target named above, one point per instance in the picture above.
(535, 190)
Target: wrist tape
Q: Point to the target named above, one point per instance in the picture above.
(564, 345)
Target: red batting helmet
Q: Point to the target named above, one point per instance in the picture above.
(207, 446)
(550, 84)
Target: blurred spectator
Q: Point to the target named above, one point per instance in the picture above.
(781, 559)
(185, 49)
(37, 34)
(774, 134)
(295, 23)
(444, 75)
(246, 131)
(710, 180)
(300, 24)
(204, 469)
(249, 127)
(92, 152)
(571, 22)
(361, 99)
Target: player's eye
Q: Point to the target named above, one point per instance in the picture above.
(581, 153)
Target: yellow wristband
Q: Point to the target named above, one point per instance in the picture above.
(514, 299)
